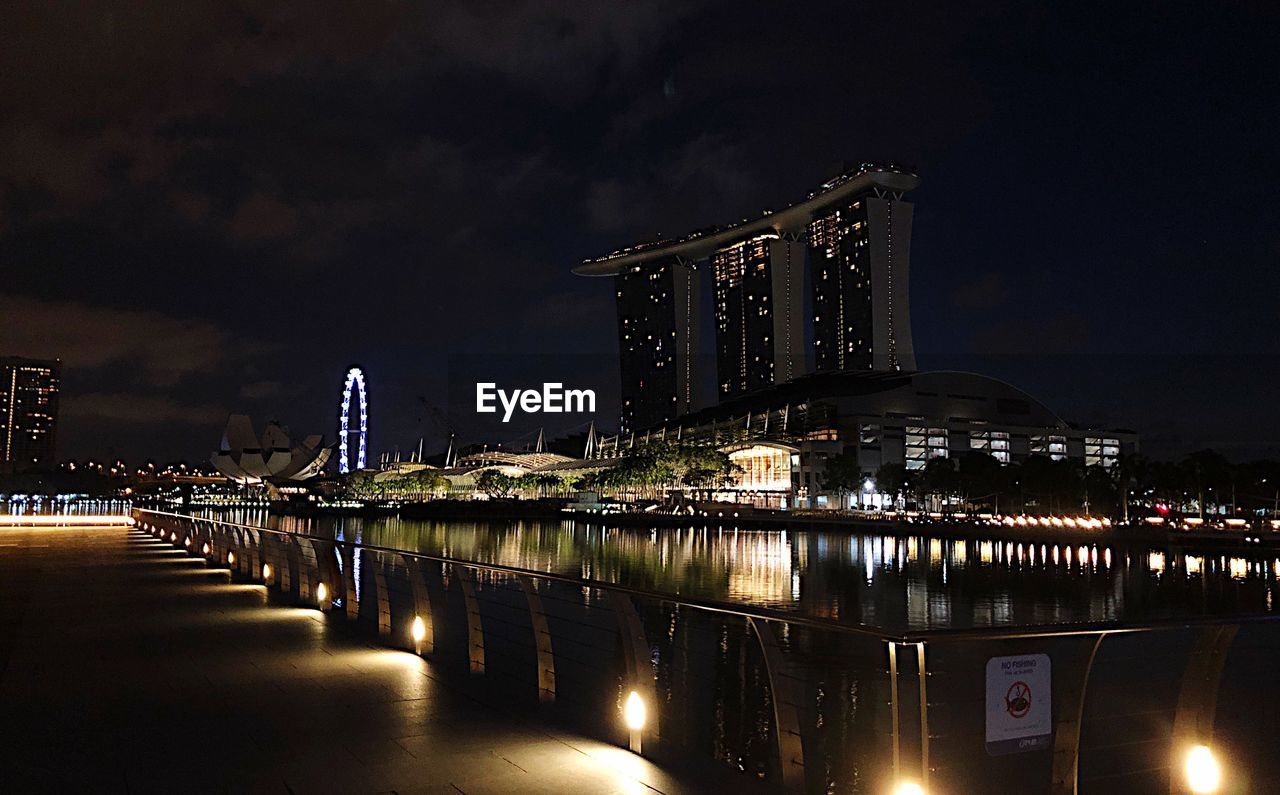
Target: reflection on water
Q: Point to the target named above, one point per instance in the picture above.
(894, 583)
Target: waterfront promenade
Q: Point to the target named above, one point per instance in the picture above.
(128, 666)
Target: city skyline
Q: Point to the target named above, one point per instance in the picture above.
(190, 240)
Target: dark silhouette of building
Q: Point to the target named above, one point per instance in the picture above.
(658, 339)
(759, 336)
(28, 413)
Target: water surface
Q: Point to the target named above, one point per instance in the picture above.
(898, 584)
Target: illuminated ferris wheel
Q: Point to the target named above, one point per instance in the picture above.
(355, 378)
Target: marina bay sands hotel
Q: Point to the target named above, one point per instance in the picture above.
(784, 411)
(854, 232)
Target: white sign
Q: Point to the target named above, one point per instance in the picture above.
(1019, 707)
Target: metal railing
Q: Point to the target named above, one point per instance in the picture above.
(417, 599)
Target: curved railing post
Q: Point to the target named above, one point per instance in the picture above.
(318, 561)
(426, 644)
(289, 565)
(475, 627)
(352, 598)
(271, 562)
(1066, 735)
(256, 554)
(381, 594)
(1198, 695)
(786, 720)
(639, 666)
(546, 660)
(308, 571)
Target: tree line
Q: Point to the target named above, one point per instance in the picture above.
(1202, 483)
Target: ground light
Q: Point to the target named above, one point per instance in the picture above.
(908, 788)
(1204, 775)
(419, 633)
(634, 713)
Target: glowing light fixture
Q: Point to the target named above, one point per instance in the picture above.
(266, 571)
(908, 788)
(419, 629)
(322, 593)
(1203, 773)
(231, 558)
(634, 713)
(173, 536)
(204, 548)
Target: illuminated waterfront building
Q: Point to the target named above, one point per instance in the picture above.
(658, 340)
(759, 337)
(781, 438)
(28, 413)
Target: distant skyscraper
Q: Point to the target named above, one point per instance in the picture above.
(28, 413)
(759, 336)
(859, 259)
(657, 340)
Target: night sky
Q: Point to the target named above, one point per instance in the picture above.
(209, 207)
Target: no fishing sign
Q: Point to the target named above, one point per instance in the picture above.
(1019, 708)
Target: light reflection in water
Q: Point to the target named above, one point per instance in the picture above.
(897, 583)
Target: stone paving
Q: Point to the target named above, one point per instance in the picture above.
(126, 666)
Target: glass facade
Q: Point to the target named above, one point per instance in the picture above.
(762, 467)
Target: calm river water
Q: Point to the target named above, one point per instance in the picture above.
(893, 583)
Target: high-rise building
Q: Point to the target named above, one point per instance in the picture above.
(28, 413)
(658, 340)
(859, 260)
(859, 231)
(759, 336)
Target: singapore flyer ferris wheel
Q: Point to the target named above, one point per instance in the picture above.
(355, 378)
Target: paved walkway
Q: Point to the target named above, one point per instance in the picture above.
(126, 666)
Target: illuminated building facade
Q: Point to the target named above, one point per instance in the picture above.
(860, 233)
(877, 419)
(759, 339)
(657, 339)
(28, 413)
(859, 259)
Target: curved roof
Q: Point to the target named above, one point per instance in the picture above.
(503, 458)
(795, 217)
(939, 394)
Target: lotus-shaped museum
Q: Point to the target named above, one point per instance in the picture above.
(245, 459)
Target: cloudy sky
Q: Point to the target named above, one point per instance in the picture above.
(215, 207)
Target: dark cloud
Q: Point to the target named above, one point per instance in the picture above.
(261, 389)
(136, 409)
(202, 196)
(1048, 334)
(155, 349)
(987, 291)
